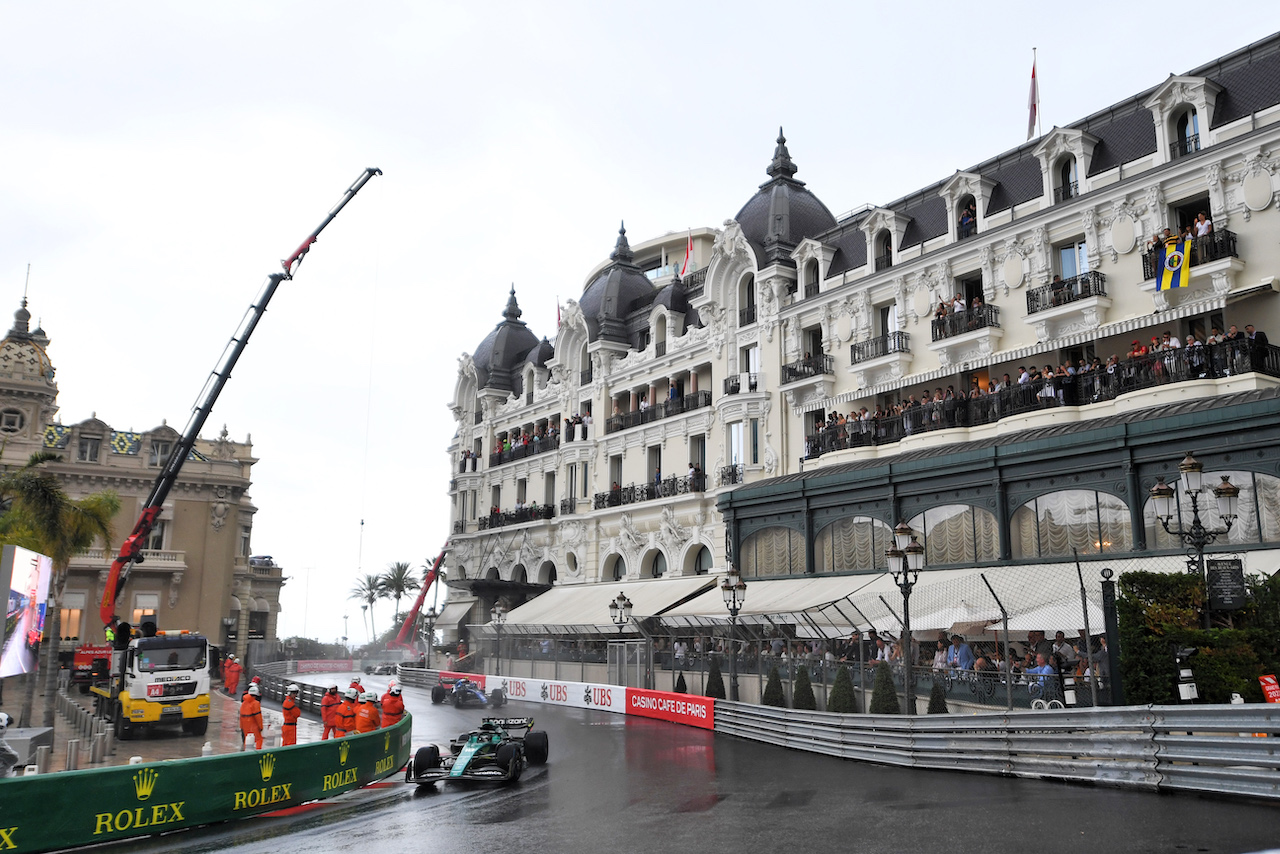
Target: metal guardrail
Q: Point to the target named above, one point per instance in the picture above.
(1153, 748)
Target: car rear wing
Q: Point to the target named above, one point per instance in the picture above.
(509, 723)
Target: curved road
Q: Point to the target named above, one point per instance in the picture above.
(616, 783)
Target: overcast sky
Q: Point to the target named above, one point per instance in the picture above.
(159, 159)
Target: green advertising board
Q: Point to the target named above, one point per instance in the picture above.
(103, 804)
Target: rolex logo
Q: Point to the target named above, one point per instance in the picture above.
(268, 765)
(144, 782)
(344, 748)
(386, 742)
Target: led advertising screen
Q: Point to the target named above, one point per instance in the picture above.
(28, 574)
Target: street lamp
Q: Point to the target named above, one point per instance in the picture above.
(620, 611)
(906, 559)
(734, 590)
(499, 616)
(430, 634)
(1195, 537)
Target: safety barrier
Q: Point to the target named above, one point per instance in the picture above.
(104, 804)
(1190, 748)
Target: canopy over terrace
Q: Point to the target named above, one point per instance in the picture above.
(583, 609)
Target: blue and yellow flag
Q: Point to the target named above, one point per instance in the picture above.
(1174, 258)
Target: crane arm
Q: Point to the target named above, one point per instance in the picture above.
(411, 619)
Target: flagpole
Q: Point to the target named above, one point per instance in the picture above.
(1039, 129)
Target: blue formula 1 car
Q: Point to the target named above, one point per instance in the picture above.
(497, 752)
(463, 691)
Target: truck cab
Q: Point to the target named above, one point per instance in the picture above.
(158, 681)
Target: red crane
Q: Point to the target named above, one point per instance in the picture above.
(406, 631)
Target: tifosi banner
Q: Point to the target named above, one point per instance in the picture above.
(688, 709)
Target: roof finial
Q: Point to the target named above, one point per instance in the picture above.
(782, 164)
(513, 311)
(622, 249)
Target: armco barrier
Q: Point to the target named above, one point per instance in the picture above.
(1190, 748)
(54, 811)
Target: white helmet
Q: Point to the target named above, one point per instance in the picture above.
(394, 690)
(368, 697)
(351, 693)
(5, 722)
(293, 689)
(392, 682)
(253, 690)
(333, 686)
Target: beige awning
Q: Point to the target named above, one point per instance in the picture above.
(453, 613)
(584, 608)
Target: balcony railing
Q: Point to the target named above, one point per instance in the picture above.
(730, 475)
(965, 230)
(809, 366)
(1064, 291)
(884, 262)
(479, 416)
(515, 517)
(1164, 367)
(584, 378)
(811, 290)
(568, 506)
(537, 445)
(747, 316)
(694, 282)
(966, 321)
(733, 383)
(657, 412)
(467, 463)
(637, 492)
(894, 342)
(1183, 147)
(1214, 246)
(660, 348)
(1066, 191)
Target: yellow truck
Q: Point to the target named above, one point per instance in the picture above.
(158, 681)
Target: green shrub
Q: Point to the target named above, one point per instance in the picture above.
(938, 700)
(884, 697)
(842, 698)
(802, 692)
(681, 687)
(773, 695)
(715, 682)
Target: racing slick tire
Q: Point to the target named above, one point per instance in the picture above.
(426, 758)
(537, 747)
(457, 699)
(437, 694)
(497, 698)
(508, 757)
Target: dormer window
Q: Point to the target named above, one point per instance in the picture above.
(966, 217)
(884, 250)
(811, 279)
(89, 448)
(159, 453)
(660, 344)
(1186, 138)
(1066, 180)
(11, 421)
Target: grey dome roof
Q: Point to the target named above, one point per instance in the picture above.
(620, 289)
(782, 212)
(504, 349)
(673, 297)
(539, 355)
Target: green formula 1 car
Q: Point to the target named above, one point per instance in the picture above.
(497, 752)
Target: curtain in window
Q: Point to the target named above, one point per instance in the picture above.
(1258, 509)
(957, 533)
(1083, 520)
(771, 552)
(853, 544)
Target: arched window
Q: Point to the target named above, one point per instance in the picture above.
(657, 565)
(771, 552)
(1186, 138)
(492, 574)
(747, 300)
(1258, 508)
(884, 250)
(519, 576)
(547, 573)
(616, 568)
(966, 217)
(811, 279)
(1066, 180)
(660, 336)
(957, 533)
(852, 544)
(702, 561)
(1084, 520)
(584, 365)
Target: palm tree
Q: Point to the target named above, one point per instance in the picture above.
(398, 581)
(38, 515)
(369, 589)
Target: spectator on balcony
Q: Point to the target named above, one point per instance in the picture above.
(940, 316)
(1057, 290)
(1204, 225)
(960, 654)
(1257, 347)
(1048, 393)
(1170, 342)
(644, 403)
(958, 304)
(968, 220)
(940, 656)
(672, 393)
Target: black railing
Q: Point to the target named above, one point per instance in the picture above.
(968, 320)
(1064, 291)
(884, 262)
(665, 409)
(584, 378)
(1183, 147)
(1214, 246)
(811, 290)
(965, 230)
(1164, 367)
(660, 348)
(693, 283)
(732, 474)
(479, 416)
(809, 366)
(536, 445)
(515, 517)
(733, 383)
(568, 506)
(1066, 191)
(747, 316)
(894, 342)
(637, 492)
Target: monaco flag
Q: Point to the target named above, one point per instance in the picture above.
(688, 257)
(1033, 103)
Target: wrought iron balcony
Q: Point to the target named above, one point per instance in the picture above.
(811, 290)
(531, 448)
(637, 492)
(747, 316)
(660, 348)
(584, 378)
(809, 366)
(1214, 246)
(894, 342)
(665, 409)
(1066, 191)
(966, 321)
(479, 416)
(568, 506)
(733, 383)
(1184, 147)
(694, 282)
(884, 262)
(1064, 291)
(732, 474)
(500, 519)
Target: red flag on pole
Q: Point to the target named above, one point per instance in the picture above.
(688, 257)
(1033, 102)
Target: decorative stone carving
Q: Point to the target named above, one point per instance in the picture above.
(223, 448)
(732, 244)
(630, 541)
(175, 581)
(672, 535)
(220, 508)
(770, 458)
